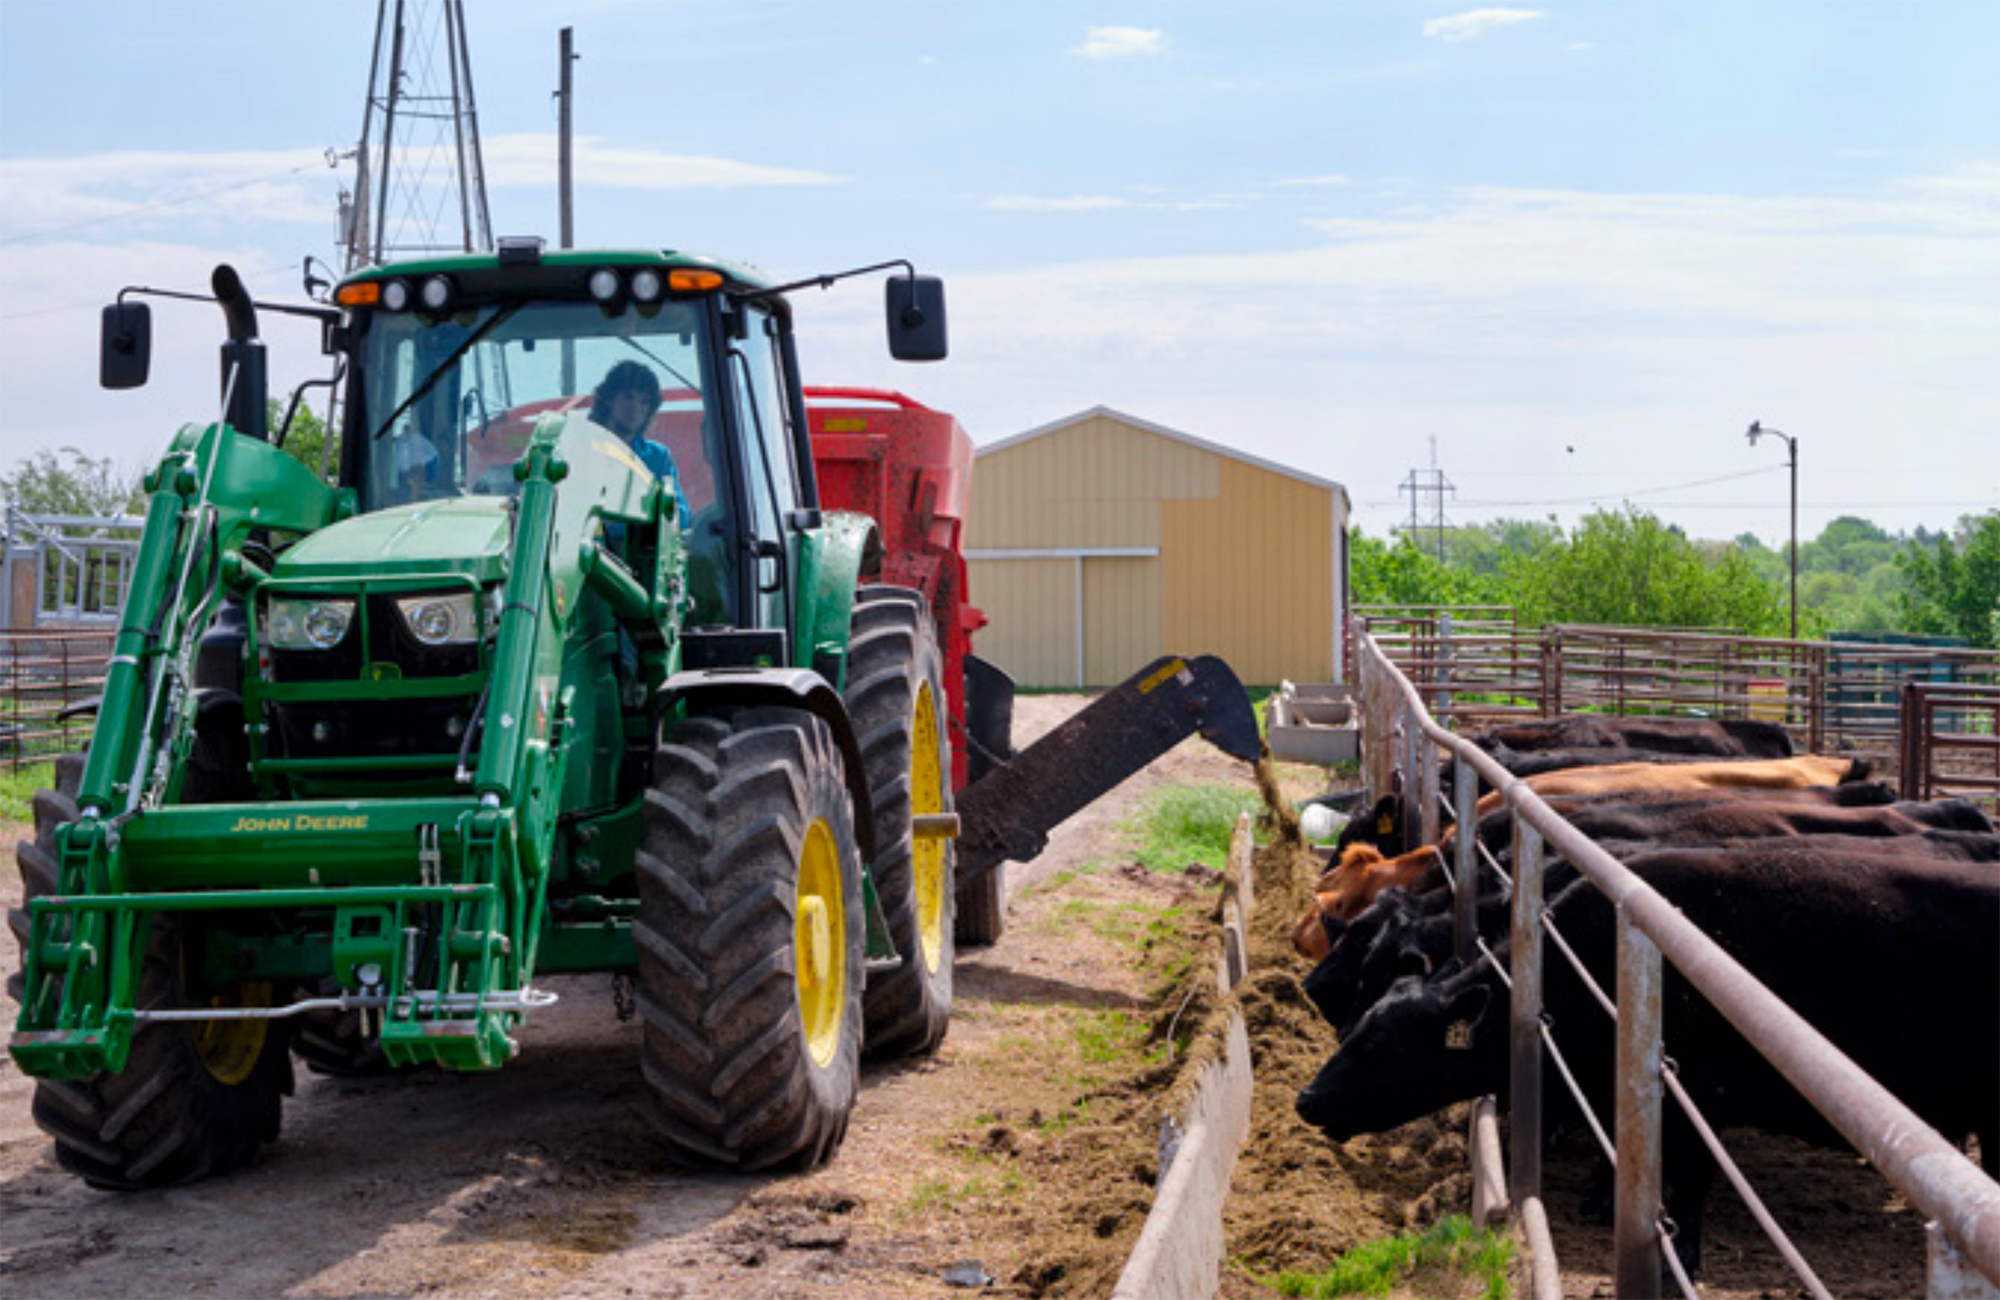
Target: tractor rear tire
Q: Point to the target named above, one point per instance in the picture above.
(895, 695)
(194, 1099)
(751, 942)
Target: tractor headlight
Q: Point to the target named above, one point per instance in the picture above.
(647, 285)
(436, 293)
(308, 624)
(441, 620)
(396, 295)
(605, 285)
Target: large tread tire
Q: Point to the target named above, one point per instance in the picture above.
(37, 859)
(337, 1044)
(168, 1117)
(982, 909)
(751, 1046)
(895, 696)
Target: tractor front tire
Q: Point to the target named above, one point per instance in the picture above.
(194, 1099)
(751, 942)
(895, 695)
(337, 1044)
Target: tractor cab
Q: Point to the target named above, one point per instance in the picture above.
(679, 363)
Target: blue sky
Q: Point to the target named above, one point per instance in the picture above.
(1579, 245)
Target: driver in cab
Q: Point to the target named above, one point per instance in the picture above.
(625, 403)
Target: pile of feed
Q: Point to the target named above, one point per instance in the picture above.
(1297, 1200)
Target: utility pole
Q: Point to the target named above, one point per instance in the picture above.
(565, 93)
(1433, 484)
(1756, 431)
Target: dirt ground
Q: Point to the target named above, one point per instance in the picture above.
(1023, 1150)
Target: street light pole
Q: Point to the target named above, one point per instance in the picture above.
(1755, 431)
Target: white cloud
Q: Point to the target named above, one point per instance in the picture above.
(1510, 318)
(1578, 47)
(1331, 178)
(1474, 23)
(1121, 43)
(183, 187)
(1072, 203)
(1112, 203)
(529, 159)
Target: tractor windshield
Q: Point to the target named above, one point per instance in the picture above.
(446, 404)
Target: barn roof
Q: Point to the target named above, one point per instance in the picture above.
(1070, 421)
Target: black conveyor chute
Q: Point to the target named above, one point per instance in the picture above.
(1009, 813)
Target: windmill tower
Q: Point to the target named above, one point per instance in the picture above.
(420, 184)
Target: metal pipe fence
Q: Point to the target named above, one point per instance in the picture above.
(41, 675)
(1931, 1172)
(1830, 695)
(1950, 742)
(73, 568)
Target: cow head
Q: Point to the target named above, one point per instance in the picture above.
(1419, 1049)
(1383, 945)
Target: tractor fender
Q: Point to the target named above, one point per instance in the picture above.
(833, 558)
(786, 688)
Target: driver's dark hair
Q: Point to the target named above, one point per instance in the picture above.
(626, 376)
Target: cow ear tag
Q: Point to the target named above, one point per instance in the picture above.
(1384, 824)
(1458, 1036)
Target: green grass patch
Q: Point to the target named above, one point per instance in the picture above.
(1447, 1259)
(1188, 823)
(1107, 1036)
(18, 786)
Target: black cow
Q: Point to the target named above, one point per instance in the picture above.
(1894, 958)
(1411, 932)
(1680, 817)
(1703, 737)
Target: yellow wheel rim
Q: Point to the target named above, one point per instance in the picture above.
(821, 942)
(229, 1049)
(927, 852)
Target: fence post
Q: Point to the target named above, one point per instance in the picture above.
(1816, 700)
(1552, 673)
(1909, 746)
(1465, 866)
(1635, 1234)
(1525, 1026)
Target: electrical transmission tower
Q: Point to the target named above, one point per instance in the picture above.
(1431, 484)
(420, 184)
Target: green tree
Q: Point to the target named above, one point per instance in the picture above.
(1954, 586)
(1398, 573)
(305, 440)
(68, 482)
(1628, 568)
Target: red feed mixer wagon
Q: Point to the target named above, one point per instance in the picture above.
(909, 467)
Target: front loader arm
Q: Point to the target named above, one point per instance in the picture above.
(208, 492)
(1009, 812)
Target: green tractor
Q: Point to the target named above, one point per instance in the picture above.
(525, 686)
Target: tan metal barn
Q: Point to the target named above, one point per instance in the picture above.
(1101, 541)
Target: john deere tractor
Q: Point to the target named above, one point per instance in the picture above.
(505, 695)
(559, 667)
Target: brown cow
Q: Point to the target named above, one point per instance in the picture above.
(1346, 890)
(1764, 774)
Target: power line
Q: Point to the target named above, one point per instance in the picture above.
(156, 204)
(98, 303)
(1636, 492)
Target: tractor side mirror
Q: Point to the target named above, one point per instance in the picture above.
(125, 352)
(915, 311)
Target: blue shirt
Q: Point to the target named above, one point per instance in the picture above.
(661, 461)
